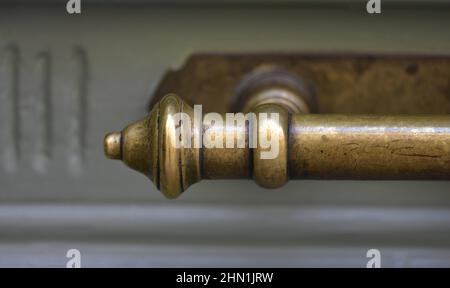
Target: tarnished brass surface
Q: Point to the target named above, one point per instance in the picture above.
(342, 83)
(226, 163)
(139, 146)
(272, 173)
(369, 147)
(112, 145)
(273, 85)
(148, 146)
(311, 146)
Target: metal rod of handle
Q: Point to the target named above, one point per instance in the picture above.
(369, 147)
(311, 146)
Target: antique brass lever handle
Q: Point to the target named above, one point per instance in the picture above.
(311, 146)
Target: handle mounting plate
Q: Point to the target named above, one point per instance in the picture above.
(342, 83)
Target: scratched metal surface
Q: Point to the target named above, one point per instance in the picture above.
(66, 80)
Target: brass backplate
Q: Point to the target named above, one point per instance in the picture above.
(347, 83)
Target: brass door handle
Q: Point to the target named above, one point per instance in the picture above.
(310, 146)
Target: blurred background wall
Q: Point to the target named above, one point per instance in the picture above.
(66, 80)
